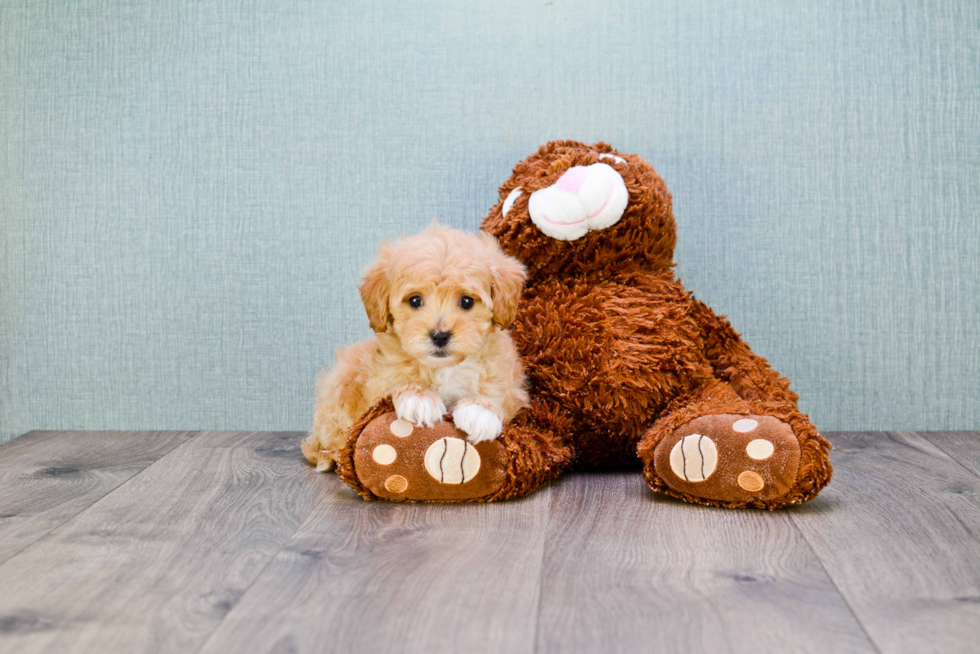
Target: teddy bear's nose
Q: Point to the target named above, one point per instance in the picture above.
(572, 180)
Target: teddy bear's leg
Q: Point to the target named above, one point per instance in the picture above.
(392, 459)
(714, 447)
(734, 362)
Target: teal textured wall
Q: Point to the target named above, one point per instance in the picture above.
(189, 191)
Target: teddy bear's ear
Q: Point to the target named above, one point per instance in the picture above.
(507, 276)
(375, 289)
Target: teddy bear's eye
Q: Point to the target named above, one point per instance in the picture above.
(511, 199)
(466, 303)
(606, 155)
(415, 302)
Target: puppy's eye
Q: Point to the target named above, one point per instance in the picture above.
(415, 302)
(466, 303)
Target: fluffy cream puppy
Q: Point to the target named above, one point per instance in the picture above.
(439, 303)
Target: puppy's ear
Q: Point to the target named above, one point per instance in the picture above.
(507, 276)
(375, 289)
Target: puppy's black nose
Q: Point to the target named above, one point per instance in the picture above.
(440, 338)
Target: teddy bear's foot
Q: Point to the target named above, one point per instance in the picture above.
(396, 460)
(740, 459)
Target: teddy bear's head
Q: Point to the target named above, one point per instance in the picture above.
(572, 208)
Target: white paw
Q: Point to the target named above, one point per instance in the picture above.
(420, 410)
(479, 424)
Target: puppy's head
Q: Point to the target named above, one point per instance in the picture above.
(442, 292)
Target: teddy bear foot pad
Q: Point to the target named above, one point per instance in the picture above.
(399, 461)
(731, 458)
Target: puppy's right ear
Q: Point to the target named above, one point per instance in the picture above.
(507, 276)
(375, 289)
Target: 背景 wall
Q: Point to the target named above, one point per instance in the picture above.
(189, 191)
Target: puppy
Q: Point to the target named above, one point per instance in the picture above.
(439, 303)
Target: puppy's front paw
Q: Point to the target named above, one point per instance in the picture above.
(479, 423)
(422, 409)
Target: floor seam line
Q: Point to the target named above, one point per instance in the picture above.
(261, 572)
(833, 583)
(939, 447)
(96, 502)
(544, 548)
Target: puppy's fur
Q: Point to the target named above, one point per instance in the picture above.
(413, 295)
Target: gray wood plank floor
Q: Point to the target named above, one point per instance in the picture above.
(228, 542)
(157, 565)
(625, 571)
(899, 533)
(48, 477)
(368, 577)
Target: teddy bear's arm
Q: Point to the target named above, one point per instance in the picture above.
(733, 361)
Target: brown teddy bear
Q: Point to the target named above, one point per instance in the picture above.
(624, 365)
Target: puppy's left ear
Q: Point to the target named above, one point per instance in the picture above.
(507, 276)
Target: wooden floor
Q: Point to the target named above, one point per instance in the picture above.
(228, 542)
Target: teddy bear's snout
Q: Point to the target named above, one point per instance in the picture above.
(584, 199)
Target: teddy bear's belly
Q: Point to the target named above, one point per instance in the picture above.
(616, 398)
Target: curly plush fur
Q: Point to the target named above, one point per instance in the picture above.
(616, 346)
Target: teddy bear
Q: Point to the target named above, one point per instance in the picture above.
(625, 367)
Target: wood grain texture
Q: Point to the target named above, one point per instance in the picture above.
(628, 571)
(46, 477)
(228, 542)
(376, 577)
(961, 446)
(899, 533)
(156, 565)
